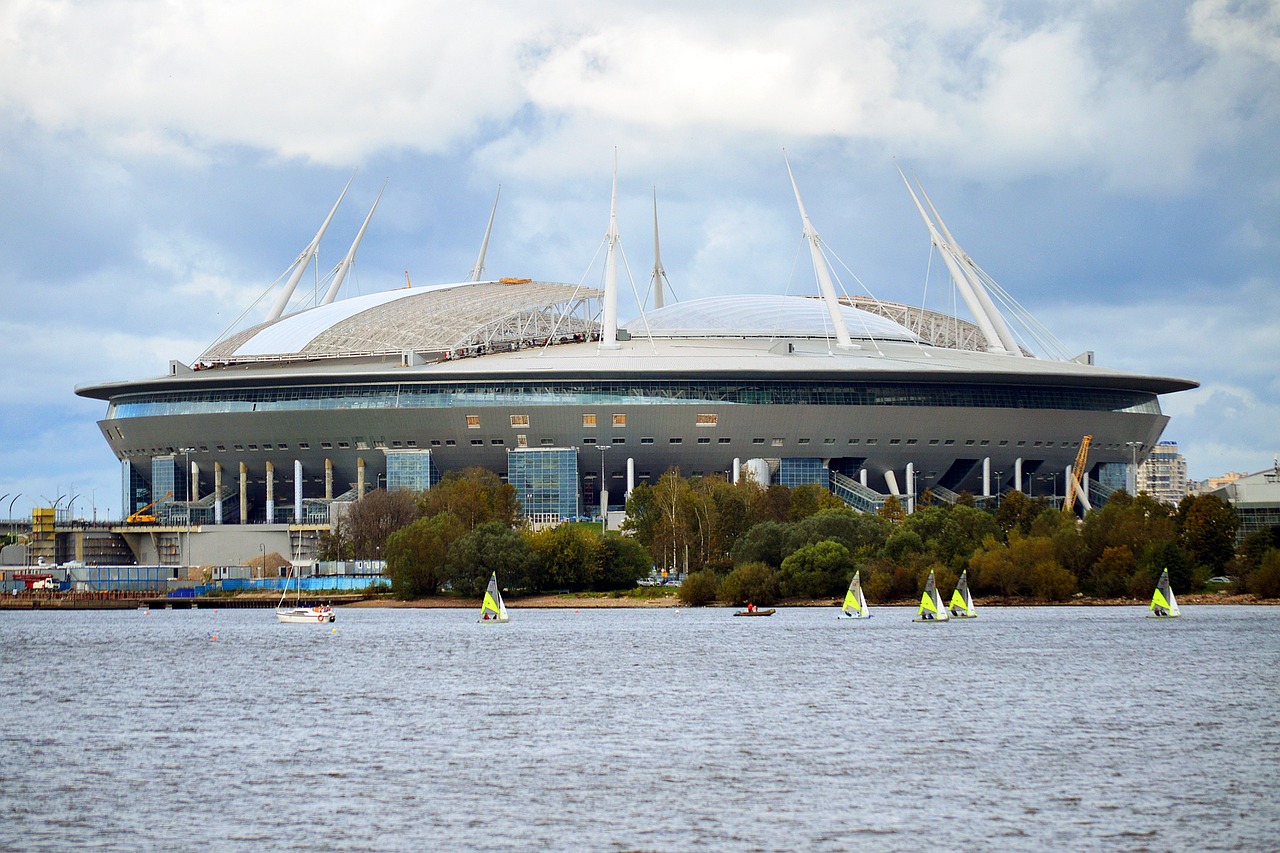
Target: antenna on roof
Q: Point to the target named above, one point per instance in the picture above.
(478, 269)
(340, 272)
(843, 341)
(609, 320)
(659, 274)
(304, 260)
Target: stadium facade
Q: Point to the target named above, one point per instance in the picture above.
(540, 382)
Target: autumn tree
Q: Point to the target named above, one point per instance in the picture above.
(475, 495)
(1207, 530)
(373, 519)
(491, 547)
(418, 555)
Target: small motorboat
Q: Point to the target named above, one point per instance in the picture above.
(755, 612)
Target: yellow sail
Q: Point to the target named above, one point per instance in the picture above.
(957, 600)
(489, 604)
(1158, 600)
(851, 602)
(926, 603)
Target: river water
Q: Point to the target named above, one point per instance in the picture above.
(657, 729)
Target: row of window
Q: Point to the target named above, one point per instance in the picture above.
(590, 420)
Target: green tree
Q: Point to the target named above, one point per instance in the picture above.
(373, 518)
(1207, 530)
(622, 561)
(418, 555)
(568, 558)
(861, 533)
(1265, 582)
(491, 547)
(891, 510)
(816, 571)
(699, 588)
(756, 582)
(764, 543)
(476, 496)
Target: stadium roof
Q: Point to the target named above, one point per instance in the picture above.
(756, 316)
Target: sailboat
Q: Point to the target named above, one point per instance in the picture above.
(931, 606)
(492, 609)
(1163, 604)
(855, 603)
(961, 606)
(298, 613)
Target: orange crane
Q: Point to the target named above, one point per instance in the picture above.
(1077, 475)
(140, 516)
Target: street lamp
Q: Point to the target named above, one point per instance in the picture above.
(604, 507)
(186, 552)
(1133, 465)
(15, 497)
(999, 486)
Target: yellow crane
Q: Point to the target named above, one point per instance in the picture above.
(1077, 475)
(140, 516)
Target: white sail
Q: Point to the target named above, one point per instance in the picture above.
(855, 603)
(493, 609)
(931, 607)
(961, 606)
(1163, 604)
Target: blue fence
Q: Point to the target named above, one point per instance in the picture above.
(316, 584)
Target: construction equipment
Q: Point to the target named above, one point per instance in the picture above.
(140, 516)
(1077, 475)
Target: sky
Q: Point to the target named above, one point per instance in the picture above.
(1114, 165)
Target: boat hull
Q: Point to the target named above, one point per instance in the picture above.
(962, 616)
(930, 621)
(305, 616)
(852, 616)
(768, 612)
(499, 621)
(1164, 615)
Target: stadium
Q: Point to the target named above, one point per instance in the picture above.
(541, 383)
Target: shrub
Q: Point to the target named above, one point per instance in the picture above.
(699, 588)
(754, 582)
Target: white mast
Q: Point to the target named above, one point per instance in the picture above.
(478, 269)
(820, 269)
(340, 272)
(659, 274)
(609, 322)
(961, 281)
(300, 265)
(968, 266)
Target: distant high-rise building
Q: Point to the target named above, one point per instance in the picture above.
(1163, 474)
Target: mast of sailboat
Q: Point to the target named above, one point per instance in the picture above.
(843, 341)
(967, 266)
(340, 272)
(304, 259)
(961, 280)
(478, 269)
(659, 274)
(609, 320)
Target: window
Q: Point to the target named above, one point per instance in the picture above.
(757, 441)
(619, 439)
(473, 422)
(435, 442)
(646, 440)
(588, 440)
(253, 447)
(547, 442)
(777, 442)
(303, 445)
(895, 441)
(706, 439)
(872, 440)
(828, 441)
(724, 439)
(984, 442)
(477, 442)
(222, 448)
(449, 442)
(708, 420)
(413, 443)
(968, 442)
(343, 445)
(1022, 444)
(913, 441)
(380, 443)
(619, 420)
(933, 442)
(495, 441)
(804, 441)
(949, 442)
(326, 445)
(395, 444)
(264, 447)
(675, 440)
(519, 420)
(588, 420)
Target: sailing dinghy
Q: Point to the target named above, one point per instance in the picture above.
(1163, 604)
(492, 609)
(931, 607)
(961, 606)
(855, 603)
(298, 613)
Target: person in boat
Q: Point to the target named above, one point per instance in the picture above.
(485, 615)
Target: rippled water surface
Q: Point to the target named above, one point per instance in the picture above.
(672, 729)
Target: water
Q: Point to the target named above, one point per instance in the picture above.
(670, 729)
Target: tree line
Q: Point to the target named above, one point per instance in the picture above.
(739, 542)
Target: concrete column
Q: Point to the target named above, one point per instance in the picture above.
(891, 480)
(217, 492)
(271, 493)
(1017, 474)
(297, 491)
(359, 477)
(862, 476)
(911, 487)
(631, 475)
(244, 493)
(328, 479)
(986, 476)
(737, 468)
(195, 481)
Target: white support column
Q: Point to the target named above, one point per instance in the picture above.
(297, 491)
(244, 493)
(1017, 474)
(891, 480)
(328, 479)
(217, 492)
(862, 476)
(911, 487)
(195, 481)
(986, 476)
(359, 477)
(1084, 492)
(271, 493)
(1066, 479)
(737, 469)
(631, 475)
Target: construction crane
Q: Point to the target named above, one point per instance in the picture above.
(1077, 475)
(141, 516)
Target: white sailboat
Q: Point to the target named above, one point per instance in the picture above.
(1163, 604)
(492, 609)
(298, 613)
(961, 606)
(931, 607)
(855, 603)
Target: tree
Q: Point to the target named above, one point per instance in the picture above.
(754, 582)
(764, 543)
(491, 547)
(418, 555)
(623, 561)
(1207, 530)
(891, 510)
(1265, 582)
(476, 496)
(699, 588)
(375, 517)
(816, 570)
(568, 557)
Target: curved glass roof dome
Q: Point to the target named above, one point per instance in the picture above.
(763, 316)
